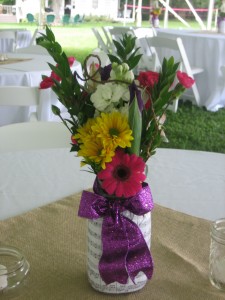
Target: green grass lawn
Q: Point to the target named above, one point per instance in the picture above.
(190, 128)
(195, 128)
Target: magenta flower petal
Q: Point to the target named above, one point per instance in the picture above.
(123, 176)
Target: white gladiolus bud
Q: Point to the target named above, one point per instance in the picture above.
(125, 67)
(121, 72)
(129, 76)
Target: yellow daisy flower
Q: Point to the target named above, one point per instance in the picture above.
(113, 129)
(94, 151)
(85, 133)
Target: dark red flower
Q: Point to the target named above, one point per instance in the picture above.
(185, 80)
(148, 78)
(147, 104)
(46, 83)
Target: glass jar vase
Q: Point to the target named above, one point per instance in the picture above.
(217, 254)
(95, 252)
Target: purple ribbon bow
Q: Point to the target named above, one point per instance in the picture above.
(125, 252)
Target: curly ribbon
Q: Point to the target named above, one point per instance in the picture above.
(125, 252)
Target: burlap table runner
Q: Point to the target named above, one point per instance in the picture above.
(53, 239)
(13, 60)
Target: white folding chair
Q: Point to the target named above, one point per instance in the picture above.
(147, 61)
(101, 43)
(176, 45)
(33, 136)
(29, 154)
(116, 32)
(141, 32)
(37, 33)
(21, 96)
(109, 42)
(34, 49)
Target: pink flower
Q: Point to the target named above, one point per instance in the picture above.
(124, 175)
(71, 60)
(185, 80)
(148, 78)
(55, 76)
(46, 83)
(73, 140)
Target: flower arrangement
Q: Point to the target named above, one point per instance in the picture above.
(115, 118)
(156, 10)
(115, 121)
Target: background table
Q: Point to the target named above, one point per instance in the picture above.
(28, 72)
(205, 50)
(23, 38)
(192, 182)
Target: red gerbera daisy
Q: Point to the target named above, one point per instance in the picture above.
(124, 175)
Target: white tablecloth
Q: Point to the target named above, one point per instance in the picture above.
(23, 39)
(192, 182)
(28, 73)
(205, 50)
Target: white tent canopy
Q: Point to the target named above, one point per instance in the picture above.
(166, 4)
(198, 19)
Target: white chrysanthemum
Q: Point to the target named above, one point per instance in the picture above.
(101, 98)
(126, 95)
(124, 110)
(107, 95)
(119, 92)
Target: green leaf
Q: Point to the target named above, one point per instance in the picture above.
(120, 50)
(113, 58)
(50, 34)
(134, 62)
(56, 111)
(135, 123)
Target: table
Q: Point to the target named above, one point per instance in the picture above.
(53, 239)
(28, 72)
(205, 49)
(23, 38)
(192, 182)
